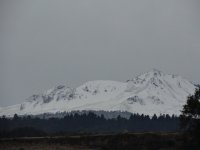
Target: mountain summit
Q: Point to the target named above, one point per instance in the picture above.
(150, 93)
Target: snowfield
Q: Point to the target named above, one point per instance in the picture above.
(150, 93)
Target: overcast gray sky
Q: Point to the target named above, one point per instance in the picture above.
(44, 43)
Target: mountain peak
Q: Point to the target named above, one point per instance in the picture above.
(155, 72)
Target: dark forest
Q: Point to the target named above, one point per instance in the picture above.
(85, 123)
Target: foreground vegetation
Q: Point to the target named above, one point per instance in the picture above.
(132, 141)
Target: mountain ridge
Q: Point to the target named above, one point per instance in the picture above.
(153, 92)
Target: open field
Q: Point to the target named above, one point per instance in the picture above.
(135, 141)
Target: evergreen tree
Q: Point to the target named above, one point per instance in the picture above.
(190, 119)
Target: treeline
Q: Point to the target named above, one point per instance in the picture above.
(85, 123)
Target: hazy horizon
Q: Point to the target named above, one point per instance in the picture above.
(48, 43)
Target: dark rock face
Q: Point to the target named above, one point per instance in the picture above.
(135, 99)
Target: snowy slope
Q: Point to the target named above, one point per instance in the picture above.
(150, 93)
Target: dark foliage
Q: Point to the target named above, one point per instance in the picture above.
(85, 123)
(190, 120)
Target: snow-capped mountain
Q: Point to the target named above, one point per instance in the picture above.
(150, 93)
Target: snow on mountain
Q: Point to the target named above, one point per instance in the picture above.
(150, 93)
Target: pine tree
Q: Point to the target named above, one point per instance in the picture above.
(190, 119)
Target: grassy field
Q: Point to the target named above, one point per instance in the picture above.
(135, 141)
